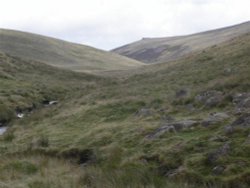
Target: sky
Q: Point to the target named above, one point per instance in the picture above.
(107, 24)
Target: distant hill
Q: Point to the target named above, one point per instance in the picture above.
(157, 50)
(61, 53)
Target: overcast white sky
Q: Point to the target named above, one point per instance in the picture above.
(107, 24)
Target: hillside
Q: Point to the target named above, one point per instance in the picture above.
(158, 50)
(178, 124)
(61, 53)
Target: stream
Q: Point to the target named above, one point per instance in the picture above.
(2, 130)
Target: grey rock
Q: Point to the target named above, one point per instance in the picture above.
(215, 118)
(144, 112)
(210, 98)
(219, 138)
(248, 140)
(172, 127)
(243, 121)
(181, 93)
(227, 71)
(167, 119)
(185, 124)
(175, 172)
(160, 131)
(242, 100)
(228, 129)
(218, 170)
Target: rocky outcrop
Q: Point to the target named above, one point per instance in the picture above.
(210, 98)
(242, 100)
(173, 127)
(215, 118)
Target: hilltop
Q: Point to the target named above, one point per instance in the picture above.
(60, 53)
(158, 50)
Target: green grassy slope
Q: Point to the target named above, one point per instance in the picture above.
(109, 127)
(61, 53)
(156, 50)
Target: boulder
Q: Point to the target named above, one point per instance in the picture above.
(215, 118)
(210, 98)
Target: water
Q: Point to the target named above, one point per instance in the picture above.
(2, 130)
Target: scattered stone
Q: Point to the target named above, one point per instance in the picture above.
(144, 112)
(215, 118)
(218, 170)
(210, 98)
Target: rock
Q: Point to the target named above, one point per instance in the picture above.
(167, 119)
(210, 98)
(184, 124)
(215, 118)
(181, 93)
(219, 139)
(248, 140)
(175, 172)
(190, 107)
(160, 131)
(228, 129)
(242, 100)
(53, 102)
(218, 170)
(227, 71)
(144, 112)
(222, 151)
(49, 103)
(243, 121)
(20, 115)
(172, 127)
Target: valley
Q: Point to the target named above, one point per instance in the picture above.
(183, 122)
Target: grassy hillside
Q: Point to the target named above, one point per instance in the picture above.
(180, 124)
(157, 50)
(61, 53)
